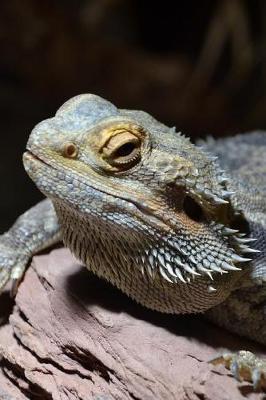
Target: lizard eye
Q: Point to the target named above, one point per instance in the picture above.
(70, 150)
(122, 150)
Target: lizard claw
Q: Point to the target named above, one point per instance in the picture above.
(244, 365)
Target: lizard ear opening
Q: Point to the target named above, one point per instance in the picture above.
(192, 209)
(240, 223)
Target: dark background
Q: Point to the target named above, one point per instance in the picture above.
(199, 65)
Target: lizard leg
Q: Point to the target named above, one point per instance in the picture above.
(244, 365)
(244, 312)
(32, 232)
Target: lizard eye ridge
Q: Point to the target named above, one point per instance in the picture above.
(122, 150)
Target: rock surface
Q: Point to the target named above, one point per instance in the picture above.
(73, 336)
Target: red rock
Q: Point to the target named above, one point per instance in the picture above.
(73, 336)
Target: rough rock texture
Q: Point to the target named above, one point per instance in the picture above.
(73, 336)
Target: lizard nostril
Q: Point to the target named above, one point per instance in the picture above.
(192, 209)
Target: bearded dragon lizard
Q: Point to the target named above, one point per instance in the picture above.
(180, 228)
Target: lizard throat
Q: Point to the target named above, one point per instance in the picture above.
(139, 264)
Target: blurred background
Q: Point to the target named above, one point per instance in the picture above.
(198, 65)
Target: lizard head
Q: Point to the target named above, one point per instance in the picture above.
(132, 194)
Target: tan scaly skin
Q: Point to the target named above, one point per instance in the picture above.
(150, 212)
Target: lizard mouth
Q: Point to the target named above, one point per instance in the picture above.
(29, 156)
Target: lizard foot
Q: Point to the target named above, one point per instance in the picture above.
(244, 365)
(12, 265)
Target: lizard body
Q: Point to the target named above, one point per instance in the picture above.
(154, 214)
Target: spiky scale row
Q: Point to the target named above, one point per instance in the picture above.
(179, 264)
(164, 274)
(192, 169)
